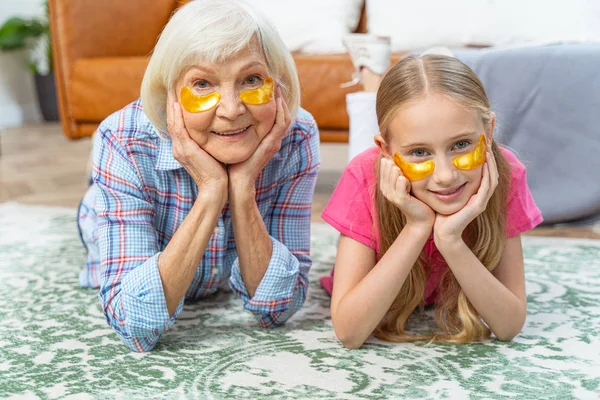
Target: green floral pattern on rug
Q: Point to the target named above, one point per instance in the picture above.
(54, 342)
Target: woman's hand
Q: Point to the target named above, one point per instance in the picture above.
(449, 228)
(396, 188)
(209, 174)
(244, 174)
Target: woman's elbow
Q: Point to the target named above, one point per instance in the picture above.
(138, 344)
(137, 339)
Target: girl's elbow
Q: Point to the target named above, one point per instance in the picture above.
(349, 342)
(348, 337)
(510, 332)
(506, 336)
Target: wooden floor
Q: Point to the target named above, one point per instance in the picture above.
(39, 165)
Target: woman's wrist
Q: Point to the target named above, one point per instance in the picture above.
(213, 195)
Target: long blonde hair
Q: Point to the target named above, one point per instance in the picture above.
(458, 321)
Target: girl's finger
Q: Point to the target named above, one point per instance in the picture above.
(392, 174)
(484, 188)
(384, 178)
(402, 187)
(493, 167)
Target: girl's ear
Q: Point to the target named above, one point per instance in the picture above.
(383, 146)
(490, 132)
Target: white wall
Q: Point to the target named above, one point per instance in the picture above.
(18, 101)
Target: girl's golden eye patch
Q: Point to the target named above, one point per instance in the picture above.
(474, 158)
(414, 172)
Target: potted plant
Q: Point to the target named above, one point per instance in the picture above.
(34, 35)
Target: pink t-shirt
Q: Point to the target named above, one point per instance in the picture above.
(351, 210)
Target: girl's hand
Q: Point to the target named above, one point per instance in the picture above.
(449, 228)
(244, 174)
(396, 188)
(207, 172)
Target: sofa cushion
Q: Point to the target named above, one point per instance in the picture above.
(418, 24)
(313, 26)
(101, 86)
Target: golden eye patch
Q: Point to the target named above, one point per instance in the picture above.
(262, 95)
(195, 104)
(418, 171)
(473, 159)
(414, 172)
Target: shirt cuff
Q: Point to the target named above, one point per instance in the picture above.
(144, 300)
(276, 289)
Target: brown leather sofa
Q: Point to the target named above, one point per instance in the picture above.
(101, 50)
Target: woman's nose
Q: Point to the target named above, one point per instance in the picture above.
(230, 106)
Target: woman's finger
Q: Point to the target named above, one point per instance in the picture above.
(286, 111)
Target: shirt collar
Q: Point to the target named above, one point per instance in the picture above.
(165, 160)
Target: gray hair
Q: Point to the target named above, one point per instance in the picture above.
(213, 31)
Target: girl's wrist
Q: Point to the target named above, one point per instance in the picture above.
(419, 229)
(449, 245)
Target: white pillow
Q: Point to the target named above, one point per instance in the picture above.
(312, 26)
(418, 24)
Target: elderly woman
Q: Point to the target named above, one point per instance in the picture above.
(206, 180)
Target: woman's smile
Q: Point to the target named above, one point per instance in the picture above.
(233, 134)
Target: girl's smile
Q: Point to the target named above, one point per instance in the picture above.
(449, 194)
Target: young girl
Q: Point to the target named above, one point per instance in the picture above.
(432, 215)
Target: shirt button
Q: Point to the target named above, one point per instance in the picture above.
(217, 230)
(215, 271)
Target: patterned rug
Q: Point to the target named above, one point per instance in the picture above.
(54, 342)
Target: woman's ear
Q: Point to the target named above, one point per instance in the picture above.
(383, 146)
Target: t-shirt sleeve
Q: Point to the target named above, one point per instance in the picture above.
(522, 212)
(350, 208)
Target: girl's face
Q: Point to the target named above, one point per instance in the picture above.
(438, 128)
(231, 131)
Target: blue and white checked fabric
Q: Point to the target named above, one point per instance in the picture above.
(139, 197)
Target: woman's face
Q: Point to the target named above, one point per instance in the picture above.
(439, 129)
(231, 131)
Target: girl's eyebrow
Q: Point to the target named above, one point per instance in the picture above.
(452, 139)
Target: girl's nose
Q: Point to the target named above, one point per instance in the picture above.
(444, 173)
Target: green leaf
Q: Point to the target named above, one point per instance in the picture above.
(15, 31)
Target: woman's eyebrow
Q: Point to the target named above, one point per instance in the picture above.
(252, 64)
(199, 68)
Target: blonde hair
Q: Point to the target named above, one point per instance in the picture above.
(412, 78)
(213, 31)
